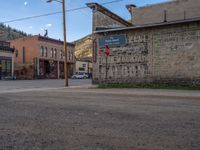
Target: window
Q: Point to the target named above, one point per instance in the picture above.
(84, 65)
(69, 55)
(55, 53)
(6, 69)
(42, 51)
(46, 52)
(23, 55)
(52, 53)
(81, 69)
(16, 53)
(61, 54)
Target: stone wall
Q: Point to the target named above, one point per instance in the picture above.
(104, 21)
(168, 53)
(173, 10)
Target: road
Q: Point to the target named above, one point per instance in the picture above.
(97, 119)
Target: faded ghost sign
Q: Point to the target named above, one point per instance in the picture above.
(112, 41)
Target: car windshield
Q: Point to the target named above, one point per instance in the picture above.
(80, 73)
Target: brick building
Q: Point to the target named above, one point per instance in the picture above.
(6, 60)
(162, 45)
(41, 57)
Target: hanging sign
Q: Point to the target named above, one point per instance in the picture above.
(112, 41)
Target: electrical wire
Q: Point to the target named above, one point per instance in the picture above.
(55, 13)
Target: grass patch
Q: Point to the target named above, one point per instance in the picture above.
(149, 86)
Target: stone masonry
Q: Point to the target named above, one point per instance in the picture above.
(168, 11)
(166, 52)
(161, 54)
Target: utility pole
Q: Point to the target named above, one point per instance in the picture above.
(107, 52)
(106, 68)
(65, 43)
(65, 39)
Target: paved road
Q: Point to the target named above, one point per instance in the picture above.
(92, 119)
(30, 84)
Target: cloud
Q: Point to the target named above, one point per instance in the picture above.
(30, 27)
(48, 25)
(26, 3)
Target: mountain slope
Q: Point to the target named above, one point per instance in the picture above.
(8, 33)
(83, 47)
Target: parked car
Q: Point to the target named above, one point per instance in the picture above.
(80, 76)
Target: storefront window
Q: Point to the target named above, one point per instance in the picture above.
(6, 68)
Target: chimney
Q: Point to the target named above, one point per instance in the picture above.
(131, 8)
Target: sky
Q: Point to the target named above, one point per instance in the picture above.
(79, 23)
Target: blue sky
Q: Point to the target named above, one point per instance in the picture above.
(79, 23)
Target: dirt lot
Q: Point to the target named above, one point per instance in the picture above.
(89, 119)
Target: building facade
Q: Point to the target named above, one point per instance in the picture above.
(84, 65)
(156, 51)
(6, 60)
(39, 57)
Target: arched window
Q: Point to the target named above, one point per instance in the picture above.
(61, 54)
(52, 53)
(55, 53)
(46, 52)
(42, 51)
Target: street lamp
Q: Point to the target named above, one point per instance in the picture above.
(65, 38)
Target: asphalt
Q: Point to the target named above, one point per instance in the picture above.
(58, 118)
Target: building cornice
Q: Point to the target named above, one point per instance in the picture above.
(105, 11)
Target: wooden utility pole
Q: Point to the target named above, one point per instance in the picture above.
(65, 44)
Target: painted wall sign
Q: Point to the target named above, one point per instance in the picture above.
(112, 41)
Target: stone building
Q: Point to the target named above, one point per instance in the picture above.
(39, 57)
(6, 60)
(161, 46)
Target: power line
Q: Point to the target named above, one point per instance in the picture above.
(54, 13)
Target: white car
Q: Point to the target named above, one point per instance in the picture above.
(80, 76)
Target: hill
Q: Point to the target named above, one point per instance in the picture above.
(83, 47)
(8, 33)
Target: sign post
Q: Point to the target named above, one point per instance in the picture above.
(107, 52)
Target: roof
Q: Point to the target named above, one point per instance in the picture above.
(102, 9)
(51, 40)
(45, 39)
(150, 25)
